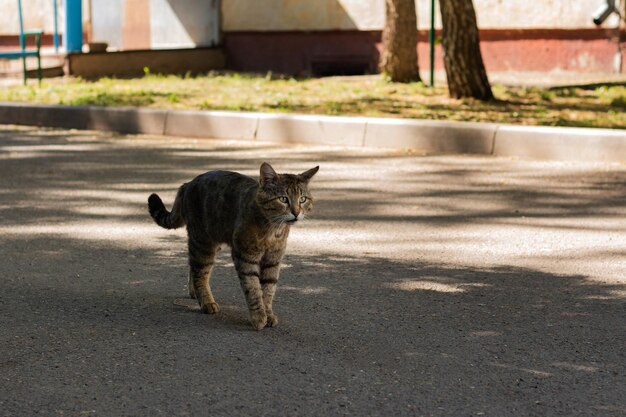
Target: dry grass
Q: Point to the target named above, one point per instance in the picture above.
(350, 96)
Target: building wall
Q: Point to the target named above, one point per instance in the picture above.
(185, 21)
(107, 22)
(283, 15)
(287, 15)
(277, 15)
(319, 36)
(124, 24)
(189, 23)
(544, 14)
(300, 37)
(37, 14)
(154, 24)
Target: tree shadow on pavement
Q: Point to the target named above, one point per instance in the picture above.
(372, 320)
(440, 339)
(64, 166)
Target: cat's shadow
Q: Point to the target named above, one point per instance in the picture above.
(229, 314)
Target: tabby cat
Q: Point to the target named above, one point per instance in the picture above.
(252, 217)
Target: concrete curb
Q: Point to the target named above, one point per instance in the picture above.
(340, 131)
(211, 124)
(429, 136)
(561, 143)
(424, 136)
(125, 120)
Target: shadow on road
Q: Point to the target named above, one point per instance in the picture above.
(94, 317)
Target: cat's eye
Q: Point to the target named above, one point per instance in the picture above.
(284, 199)
(303, 199)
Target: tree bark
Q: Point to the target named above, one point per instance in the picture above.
(399, 55)
(462, 57)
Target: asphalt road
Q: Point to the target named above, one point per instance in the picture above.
(420, 286)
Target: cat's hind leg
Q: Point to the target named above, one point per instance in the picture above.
(201, 261)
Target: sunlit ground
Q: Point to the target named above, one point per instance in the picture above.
(499, 280)
(558, 217)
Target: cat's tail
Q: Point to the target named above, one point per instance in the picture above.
(164, 218)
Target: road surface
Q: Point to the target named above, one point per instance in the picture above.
(420, 286)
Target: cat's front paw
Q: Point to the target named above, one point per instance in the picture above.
(210, 308)
(258, 319)
(272, 320)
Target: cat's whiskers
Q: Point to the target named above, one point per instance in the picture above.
(276, 222)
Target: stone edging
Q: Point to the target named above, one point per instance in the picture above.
(425, 136)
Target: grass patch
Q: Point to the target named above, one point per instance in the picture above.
(619, 102)
(350, 96)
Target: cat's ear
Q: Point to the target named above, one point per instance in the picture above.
(267, 174)
(307, 175)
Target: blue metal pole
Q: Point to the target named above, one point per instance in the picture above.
(56, 26)
(73, 36)
(22, 40)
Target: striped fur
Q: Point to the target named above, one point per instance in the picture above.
(252, 217)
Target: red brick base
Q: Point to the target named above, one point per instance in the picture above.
(357, 52)
(587, 50)
(302, 52)
(13, 41)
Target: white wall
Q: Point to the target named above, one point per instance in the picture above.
(37, 14)
(183, 23)
(563, 14)
(302, 14)
(106, 18)
(241, 15)
(191, 23)
(174, 23)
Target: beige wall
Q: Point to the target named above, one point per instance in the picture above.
(301, 14)
(539, 14)
(37, 15)
(174, 23)
(241, 15)
(268, 15)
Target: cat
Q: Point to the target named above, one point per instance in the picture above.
(252, 217)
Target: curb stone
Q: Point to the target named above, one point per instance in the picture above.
(126, 120)
(561, 143)
(424, 136)
(340, 131)
(211, 124)
(429, 136)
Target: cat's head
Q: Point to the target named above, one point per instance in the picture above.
(285, 198)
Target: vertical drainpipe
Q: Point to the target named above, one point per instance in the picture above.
(431, 41)
(56, 26)
(215, 18)
(73, 36)
(87, 24)
(618, 65)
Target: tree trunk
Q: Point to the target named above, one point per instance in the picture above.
(462, 58)
(399, 55)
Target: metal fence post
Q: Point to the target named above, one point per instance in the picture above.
(73, 36)
(56, 25)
